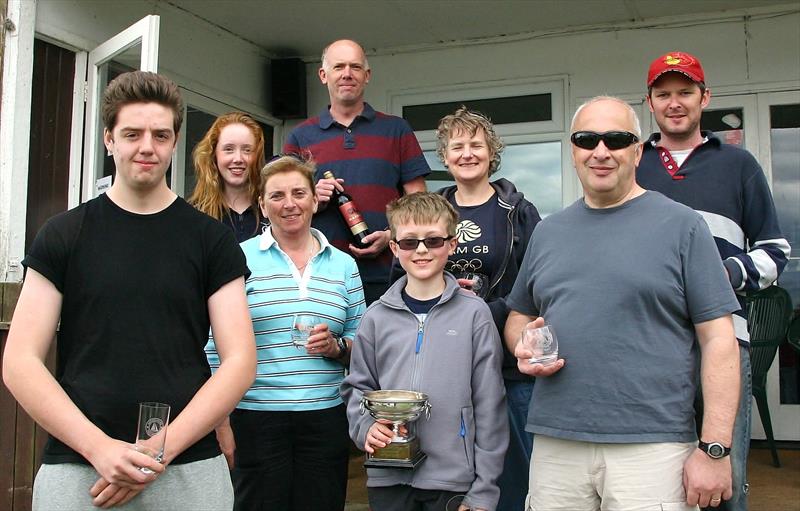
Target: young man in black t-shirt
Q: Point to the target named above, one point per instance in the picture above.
(135, 277)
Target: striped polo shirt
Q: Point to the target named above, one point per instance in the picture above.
(375, 155)
(288, 378)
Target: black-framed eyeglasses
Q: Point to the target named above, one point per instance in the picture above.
(413, 243)
(612, 139)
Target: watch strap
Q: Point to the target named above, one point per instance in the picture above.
(341, 342)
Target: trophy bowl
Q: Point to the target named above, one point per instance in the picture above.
(398, 407)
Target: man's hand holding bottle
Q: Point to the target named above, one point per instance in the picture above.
(376, 243)
(325, 188)
(364, 242)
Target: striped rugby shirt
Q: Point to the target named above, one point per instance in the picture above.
(288, 378)
(726, 185)
(375, 156)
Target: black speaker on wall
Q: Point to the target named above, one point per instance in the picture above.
(288, 88)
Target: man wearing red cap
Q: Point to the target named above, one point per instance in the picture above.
(727, 187)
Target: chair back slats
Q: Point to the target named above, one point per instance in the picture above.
(768, 315)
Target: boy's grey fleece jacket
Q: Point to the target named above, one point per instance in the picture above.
(455, 358)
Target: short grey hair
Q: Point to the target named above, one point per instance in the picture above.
(637, 127)
(325, 52)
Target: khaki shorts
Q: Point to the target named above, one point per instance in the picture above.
(568, 475)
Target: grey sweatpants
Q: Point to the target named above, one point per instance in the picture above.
(203, 485)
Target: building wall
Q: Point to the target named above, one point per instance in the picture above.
(736, 53)
(194, 53)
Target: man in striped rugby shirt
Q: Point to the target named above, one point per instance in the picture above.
(374, 155)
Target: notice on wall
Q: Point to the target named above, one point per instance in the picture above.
(102, 185)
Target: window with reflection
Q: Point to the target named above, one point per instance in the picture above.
(726, 123)
(784, 137)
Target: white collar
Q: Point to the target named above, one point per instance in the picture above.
(267, 240)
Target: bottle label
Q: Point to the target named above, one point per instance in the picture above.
(353, 218)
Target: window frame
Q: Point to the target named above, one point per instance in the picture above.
(556, 86)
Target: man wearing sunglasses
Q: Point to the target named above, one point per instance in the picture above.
(375, 156)
(726, 185)
(632, 283)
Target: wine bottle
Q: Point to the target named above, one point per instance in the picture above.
(350, 214)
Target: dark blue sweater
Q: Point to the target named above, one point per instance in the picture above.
(726, 185)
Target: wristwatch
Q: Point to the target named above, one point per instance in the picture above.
(342, 344)
(714, 449)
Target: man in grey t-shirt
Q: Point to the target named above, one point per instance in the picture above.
(632, 283)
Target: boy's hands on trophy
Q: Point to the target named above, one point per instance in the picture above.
(380, 434)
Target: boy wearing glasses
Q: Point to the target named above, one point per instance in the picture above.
(633, 285)
(426, 335)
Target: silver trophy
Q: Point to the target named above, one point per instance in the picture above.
(400, 407)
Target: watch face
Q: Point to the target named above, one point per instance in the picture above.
(716, 450)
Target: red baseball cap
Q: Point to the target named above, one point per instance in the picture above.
(679, 62)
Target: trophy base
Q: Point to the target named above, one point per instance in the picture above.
(412, 463)
(398, 454)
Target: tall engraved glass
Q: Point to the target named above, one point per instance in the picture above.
(151, 431)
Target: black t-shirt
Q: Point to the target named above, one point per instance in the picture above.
(482, 238)
(134, 315)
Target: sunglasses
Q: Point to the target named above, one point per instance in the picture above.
(413, 243)
(612, 139)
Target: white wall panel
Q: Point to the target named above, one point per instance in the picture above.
(196, 54)
(736, 54)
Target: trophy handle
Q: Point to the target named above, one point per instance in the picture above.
(427, 410)
(363, 405)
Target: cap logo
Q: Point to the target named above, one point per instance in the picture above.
(678, 59)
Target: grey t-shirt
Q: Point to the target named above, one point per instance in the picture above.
(623, 288)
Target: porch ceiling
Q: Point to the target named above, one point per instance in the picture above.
(300, 28)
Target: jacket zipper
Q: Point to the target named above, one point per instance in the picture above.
(508, 253)
(418, 343)
(417, 348)
(415, 384)
(419, 338)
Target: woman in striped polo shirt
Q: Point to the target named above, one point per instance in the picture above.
(289, 431)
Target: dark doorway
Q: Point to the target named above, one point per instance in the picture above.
(51, 120)
(21, 440)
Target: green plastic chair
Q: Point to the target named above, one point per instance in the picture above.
(768, 314)
(793, 335)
